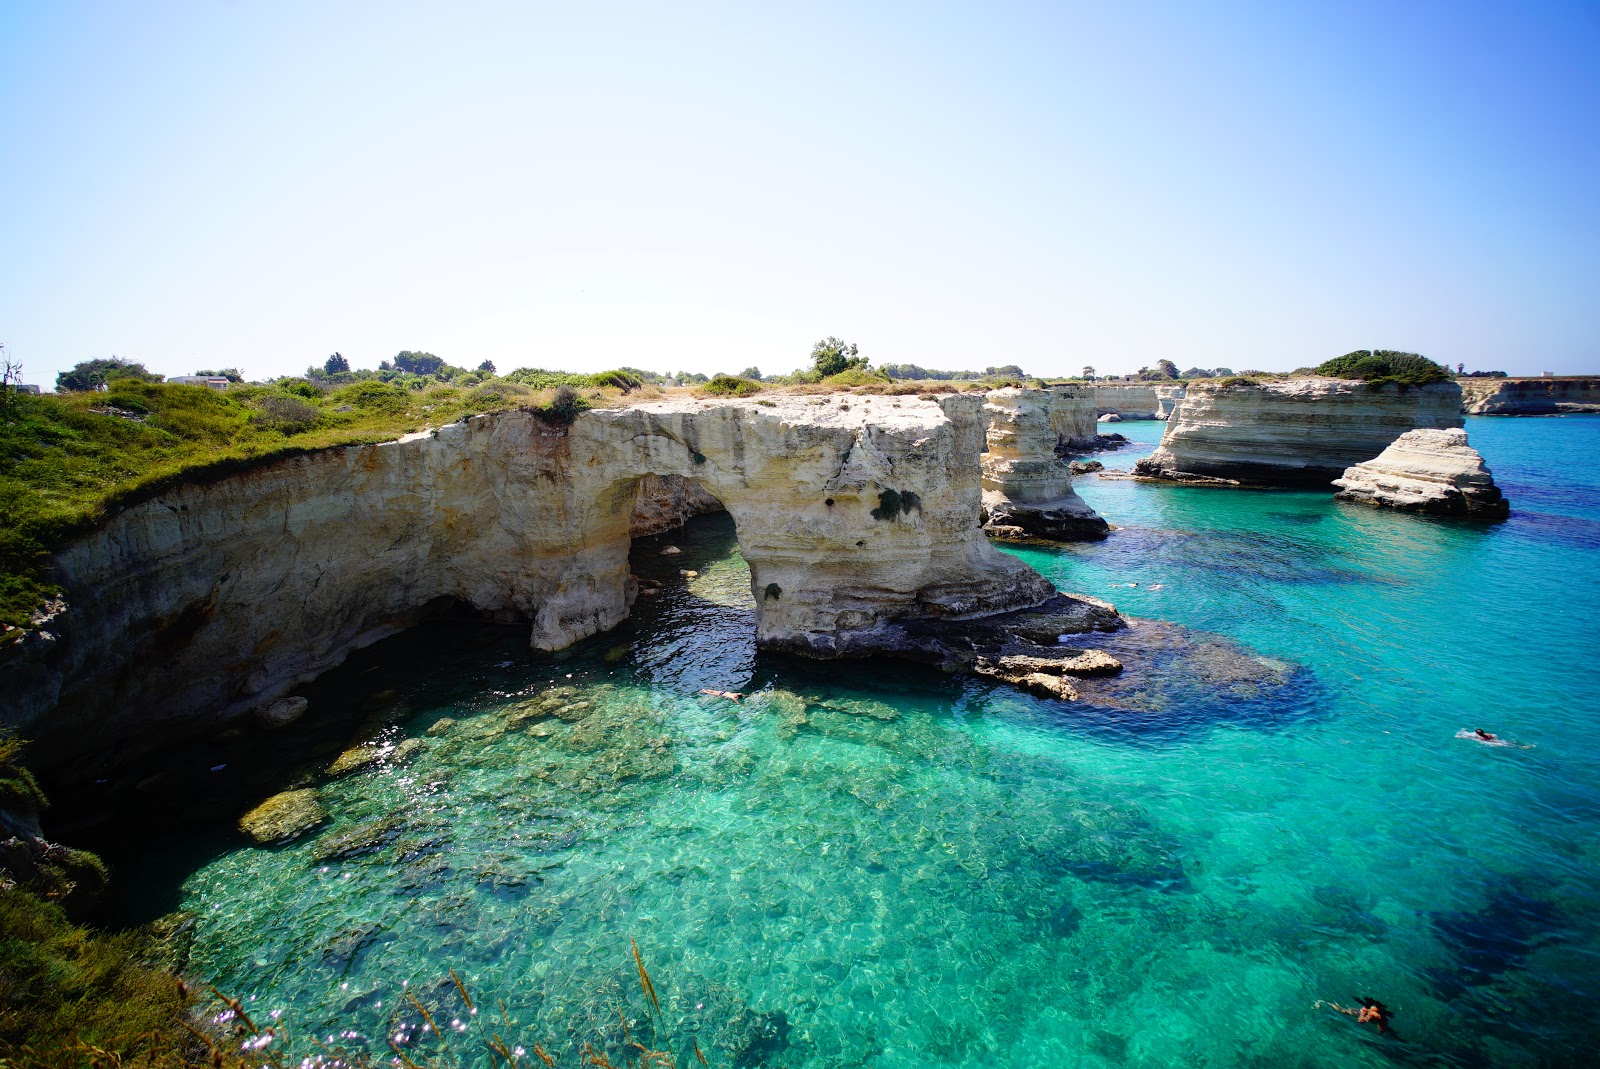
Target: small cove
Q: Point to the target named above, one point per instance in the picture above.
(870, 863)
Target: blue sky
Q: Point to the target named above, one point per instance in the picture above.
(712, 186)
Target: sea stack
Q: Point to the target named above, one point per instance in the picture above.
(1297, 432)
(1430, 471)
(1027, 488)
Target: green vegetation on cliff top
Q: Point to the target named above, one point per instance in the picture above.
(1383, 366)
(67, 460)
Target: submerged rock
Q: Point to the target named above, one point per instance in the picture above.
(364, 756)
(284, 817)
(362, 839)
(1431, 471)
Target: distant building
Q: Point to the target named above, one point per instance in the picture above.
(21, 388)
(216, 382)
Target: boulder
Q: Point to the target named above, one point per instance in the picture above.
(283, 711)
(284, 817)
(1430, 471)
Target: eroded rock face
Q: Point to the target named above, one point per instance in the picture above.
(667, 502)
(1294, 432)
(1142, 401)
(213, 599)
(1529, 397)
(1027, 488)
(1429, 471)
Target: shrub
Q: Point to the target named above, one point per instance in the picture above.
(496, 395)
(774, 591)
(620, 379)
(373, 396)
(289, 415)
(539, 379)
(1237, 380)
(1383, 366)
(94, 374)
(855, 376)
(300, 388)
(731, 386)
(563, 406)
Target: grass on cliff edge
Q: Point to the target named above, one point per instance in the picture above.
(68, 460)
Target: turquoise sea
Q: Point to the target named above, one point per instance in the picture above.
(871, 864)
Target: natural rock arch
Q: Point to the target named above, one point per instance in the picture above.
(213, 598)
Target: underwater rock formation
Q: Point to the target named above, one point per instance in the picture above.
(215, 597)
(1430, 471)
(1293, 432)
(284, 816)
(1027, 488)
(1529, 397)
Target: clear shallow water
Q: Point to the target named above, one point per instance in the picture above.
(870, 864)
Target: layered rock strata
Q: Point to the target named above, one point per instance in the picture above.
(1142, 401)
(1027, 488)
(1429, 471)
(667, 502)
(1293, 432)
(1529, 397)
(213, 599)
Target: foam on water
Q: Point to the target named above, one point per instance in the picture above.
(869, 863)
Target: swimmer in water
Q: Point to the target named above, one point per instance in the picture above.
(732, 696)
(1489, 738)
(1485, 736)
(1371, 1011)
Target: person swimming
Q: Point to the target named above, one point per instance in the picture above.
(1371, 1011)
(1485, 735)
(1489, 738)
(732, 696)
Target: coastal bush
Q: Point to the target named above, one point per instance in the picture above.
(856, 376)
(539, 379)
(287, 415)
(892, 504)
(563, 405)
(372, 396)
(1382, 366)
(70, 996)
(622, 380)
(730, 386)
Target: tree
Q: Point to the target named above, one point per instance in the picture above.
(831, 356)
(418, 363)
(487, 367)
(1088, 373)
(229, 373)
(751, 373)
(335, 364)
(10, 377)
(94, 374)
(1167, 368)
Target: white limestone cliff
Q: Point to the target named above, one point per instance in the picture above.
(1027, 487)
(1529, 397)
(215, 597)
(1430, 471)
(1292, 432)
(1137, 400)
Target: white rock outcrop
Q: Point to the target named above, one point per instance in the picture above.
(1136, 401)
(1431, 471)
(1529, 397)
(215, 597)
(1027, 487)
(1292, 432)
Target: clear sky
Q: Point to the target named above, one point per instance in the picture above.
(703, 186)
